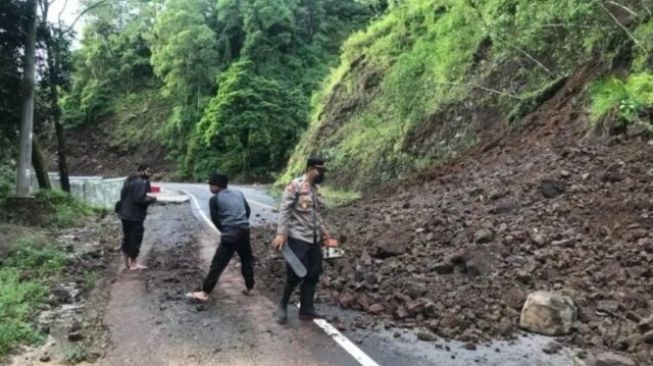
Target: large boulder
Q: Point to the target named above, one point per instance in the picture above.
(548, 313)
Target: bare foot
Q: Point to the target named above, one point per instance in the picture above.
(248, 292)
(200, 296)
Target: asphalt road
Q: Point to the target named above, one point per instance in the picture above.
(395, 346)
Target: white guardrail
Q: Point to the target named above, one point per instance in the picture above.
(96, 190)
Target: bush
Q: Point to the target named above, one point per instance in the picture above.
(65, 210)
(617, 103)
(7, 180)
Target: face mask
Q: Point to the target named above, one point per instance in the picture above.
(319, 179)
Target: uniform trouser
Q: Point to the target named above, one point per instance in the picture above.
(132, 231)
(236, 243)
(311, 257)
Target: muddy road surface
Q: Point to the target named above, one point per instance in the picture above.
(151, 322)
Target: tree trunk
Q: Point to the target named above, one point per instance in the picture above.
(64, 178)
(40, 167)
(52, 57)
(27, 118)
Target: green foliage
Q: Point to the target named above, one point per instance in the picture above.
(139, 118)
(336, 198)
(114, 58)
(625, 102)
(188, 48)
(64, 210)
(423, 71)
(23, 278)
(248, 126)
(183, 48)
(644, 55)
(531, 100)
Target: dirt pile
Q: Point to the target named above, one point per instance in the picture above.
(90, 151)
(458, 249)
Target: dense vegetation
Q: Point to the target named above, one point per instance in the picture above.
(415, 86)
(232, 85)
(226, 83)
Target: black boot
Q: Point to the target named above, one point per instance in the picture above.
(307, 308)
(282, 310)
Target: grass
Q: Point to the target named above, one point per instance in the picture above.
(433, 55)
(335, 198)
(622, 101)
(65, 210)
(24, 277)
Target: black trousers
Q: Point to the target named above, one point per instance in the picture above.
(311, 256)
(237, 243)
(132, 231)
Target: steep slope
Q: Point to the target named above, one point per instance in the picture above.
(435, 77)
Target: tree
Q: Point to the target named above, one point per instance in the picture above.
(57, 48)
(250, 126)
(27, 119)
(184, 49)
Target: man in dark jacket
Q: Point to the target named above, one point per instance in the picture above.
(132, 211)
(230, 214)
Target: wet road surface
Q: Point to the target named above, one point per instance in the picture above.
(398, 346)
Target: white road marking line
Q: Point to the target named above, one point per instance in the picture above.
(199, 208)
(344, 342)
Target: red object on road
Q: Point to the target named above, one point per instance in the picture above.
(155, 189)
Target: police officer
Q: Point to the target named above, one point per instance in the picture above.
(302, 228)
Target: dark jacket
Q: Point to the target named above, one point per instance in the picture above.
(134, 200)
(230, 213)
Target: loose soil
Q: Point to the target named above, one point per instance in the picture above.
(72, 318)
(456, 250)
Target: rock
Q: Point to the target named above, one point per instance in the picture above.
(376, 309)
(612, 359)
(548, 313)
(523, 276)
(388, 250)
(62, 295)
(551, 188)
(401, 313)
(416, 290)
(426, 337)
(45, 358)
(578, 362)
(365, 258)
(639, 233)
(537, 238)
(443, 268)
(484, 236)
(648, 337)
(75, 336)
(470, 346)
(552, 348)
(608, 306)
(345, 299)
(415, 307)
(646, 324)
